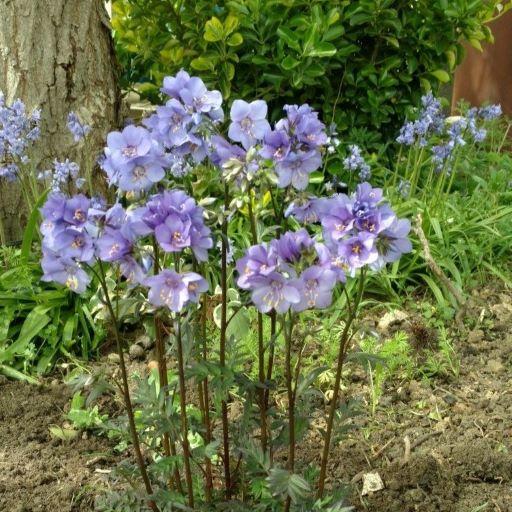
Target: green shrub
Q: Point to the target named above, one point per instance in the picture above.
(363, 62)
(40, 323)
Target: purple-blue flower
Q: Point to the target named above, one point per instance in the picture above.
(338, 218)
(392, 242)
(76, 210)
(258, 260)
(276, 145)
(358, 250)
(131, 143)
(295, 169)
(195, 95)
(291, 245)
(365, 200)
(315, 285)
(178, 223)
(74, 243)
(173, 85)
(407, 134)
(248, 122)
(140, 174)
(173, 234)
(274, 292)
(305, 126)
(307, 210)
(490, 112)
(18, 131)
(112, 245)
(64, 271)
(173, 290)
(171, 124)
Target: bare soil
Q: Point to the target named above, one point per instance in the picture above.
(38, 473)
(443, 445)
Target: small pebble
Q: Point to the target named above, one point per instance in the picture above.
(145, 342)
(475, 336)
(450, 399)
(136, 352)
(113, 358)
(495, 366)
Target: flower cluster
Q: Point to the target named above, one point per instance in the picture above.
(177, 223)
(18, 131)
(174, 137)
(295, 146)
(430, 121)
(293, 149)
(362, 230)
(490, 112)
(77, 233)
(62, 174)
(355, 162)
(78, 129)
(451, 131)
(287, 274)
(67, 244)
(299, 272)
(133, 161)
(175, 291)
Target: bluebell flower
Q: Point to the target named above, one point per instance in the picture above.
(490, 112)
(76, 127)
(18, 131)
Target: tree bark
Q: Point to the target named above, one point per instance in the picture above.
(57, 55)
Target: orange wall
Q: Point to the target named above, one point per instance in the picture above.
(486, 77)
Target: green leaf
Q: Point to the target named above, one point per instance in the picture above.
(441, 75)
(289, 37)
(210, 449)
(393, 41)
(203, 64)
(17, 375)
(425, 84)
(31, 228)
(475, 43)
(230, 24)
(213, 30)
(451, 57)
(333, 33)
(323, 49)
(235, 39)
(64, 434)
(35, 322)
(283, 483)
(360, 18)
(69, 330)
(289, 63)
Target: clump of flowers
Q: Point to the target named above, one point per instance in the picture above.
(435, 141)
(19, 129)
(63, 176)
(430, 121)
(299, 271)
(355, 162)
(75, 126)
(158, 239)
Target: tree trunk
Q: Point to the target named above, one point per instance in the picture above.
(57, 55)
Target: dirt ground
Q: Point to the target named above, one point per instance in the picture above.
(443, 446)
(38, 473)
(438, 446)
